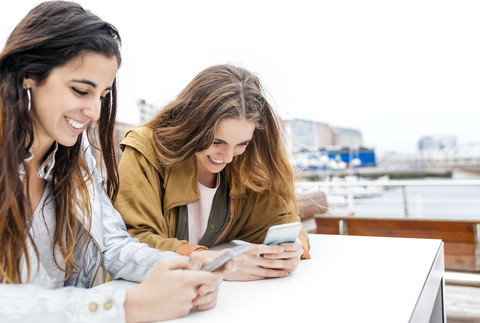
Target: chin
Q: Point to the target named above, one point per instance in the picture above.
(216, 170)
(68, 143)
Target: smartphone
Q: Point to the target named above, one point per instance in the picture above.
(282, 233)
(223, 258)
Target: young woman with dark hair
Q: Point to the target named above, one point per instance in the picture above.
(57, 224)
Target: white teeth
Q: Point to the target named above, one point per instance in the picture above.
(75, 124)
(216, 161)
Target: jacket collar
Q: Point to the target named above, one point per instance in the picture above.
(180, 183)
(45, 170)
(178, 178)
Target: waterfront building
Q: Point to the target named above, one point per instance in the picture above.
(347, 137)
(146, 110)
(436, 143)
(316, 145)
(325, 134)
(308, 135)
(302, 135)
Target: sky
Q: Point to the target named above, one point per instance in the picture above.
(395, 70)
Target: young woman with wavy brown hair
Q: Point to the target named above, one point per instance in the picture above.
(209, 168)
(57, 225)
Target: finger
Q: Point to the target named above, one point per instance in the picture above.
(196, 260)
(206, 289)
(284, 255)
(263, 249)
(231, 266)
(199, 277)
(271, 272)
(279, 264)
(206, 302)
(180, 262)
(207, 306)
(291, 246)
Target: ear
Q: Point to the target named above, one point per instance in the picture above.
(27, 83)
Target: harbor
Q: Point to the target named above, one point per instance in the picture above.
(433, 193)
(436, 208)
(432, 198)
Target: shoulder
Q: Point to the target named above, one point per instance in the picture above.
(140, 139)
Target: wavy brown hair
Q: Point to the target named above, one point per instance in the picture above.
(187, 125)
(49, 36)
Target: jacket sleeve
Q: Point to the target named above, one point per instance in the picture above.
(122, 255)
(32, 303)
(139, 203)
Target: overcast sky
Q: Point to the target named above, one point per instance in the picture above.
(395, 70)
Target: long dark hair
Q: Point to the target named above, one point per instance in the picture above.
(50, 35)
(187, 125)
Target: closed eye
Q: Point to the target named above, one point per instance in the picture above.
(78, 91)
(219, 142)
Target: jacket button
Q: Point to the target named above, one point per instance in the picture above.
(108, 305)
(93, 307)
(184, 218)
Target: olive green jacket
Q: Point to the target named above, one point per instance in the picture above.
(151, 213)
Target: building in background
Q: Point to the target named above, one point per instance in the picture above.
(316, 145)
(146, 110)
(309, 135)
(302, 135)
(347, 137)
(437, 143)
(325, 135)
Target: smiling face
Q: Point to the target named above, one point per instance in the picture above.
(70, 98)
(231, 139)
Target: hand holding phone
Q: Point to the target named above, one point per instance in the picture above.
(223, 258)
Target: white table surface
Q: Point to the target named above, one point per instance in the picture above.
(348, 279)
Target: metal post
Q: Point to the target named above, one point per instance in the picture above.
(350, 200)
(405, 205)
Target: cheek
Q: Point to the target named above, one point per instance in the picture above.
(51, 106)
(239, 150)
(212, 151)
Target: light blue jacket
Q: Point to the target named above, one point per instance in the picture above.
(109, 244)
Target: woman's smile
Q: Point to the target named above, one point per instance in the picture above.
(215, 161)
(76, 125)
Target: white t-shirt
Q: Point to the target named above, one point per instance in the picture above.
(199, 212)
(44, 270)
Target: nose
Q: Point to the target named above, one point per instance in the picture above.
(228, 155)
(92, 110)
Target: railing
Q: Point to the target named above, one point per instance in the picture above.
(429, 198)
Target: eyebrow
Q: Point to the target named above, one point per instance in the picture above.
(90, 83)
